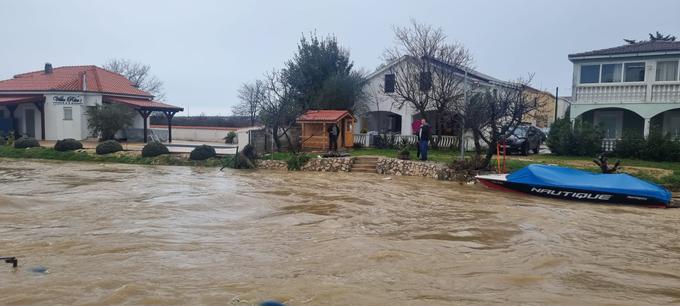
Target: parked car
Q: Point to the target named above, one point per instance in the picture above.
(526, 138)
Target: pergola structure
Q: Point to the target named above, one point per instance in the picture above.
(145, 108)
(12, 102)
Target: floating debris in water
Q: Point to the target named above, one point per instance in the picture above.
(272, 303)
(387, 178)
(39, 269)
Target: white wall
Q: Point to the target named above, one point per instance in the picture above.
(195, 134)
(377, 100)
(57, 128)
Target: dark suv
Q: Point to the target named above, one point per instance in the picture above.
(525, 138)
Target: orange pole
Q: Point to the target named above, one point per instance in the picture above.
(498, 158)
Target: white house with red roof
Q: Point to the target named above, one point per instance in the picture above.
(51, 104)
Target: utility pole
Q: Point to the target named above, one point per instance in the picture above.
(557, 101)
(462, 117)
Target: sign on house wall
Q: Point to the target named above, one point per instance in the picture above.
(67, 100)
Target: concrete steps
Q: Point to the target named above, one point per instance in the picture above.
(364, 164)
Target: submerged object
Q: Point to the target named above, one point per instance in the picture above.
(571, 184)
(39, 269)
(11, 260)
(272, 303)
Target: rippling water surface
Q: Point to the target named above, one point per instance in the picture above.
(139, 235)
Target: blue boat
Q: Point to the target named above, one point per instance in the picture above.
(571, 184)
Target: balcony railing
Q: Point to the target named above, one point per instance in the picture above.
(611, 94)
(666, 93)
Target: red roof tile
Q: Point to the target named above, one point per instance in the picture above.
(324, 115)
(141, 103)
(72, 78)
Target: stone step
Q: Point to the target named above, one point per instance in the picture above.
(365, 162)
(363, 167)
(366, 158)
(363, 170)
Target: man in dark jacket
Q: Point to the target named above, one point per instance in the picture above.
(424, 138)
(333, 132)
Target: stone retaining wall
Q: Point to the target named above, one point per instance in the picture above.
(387, 166)
(271, 164)
(398, 167)
(314, 164)
(334, 164)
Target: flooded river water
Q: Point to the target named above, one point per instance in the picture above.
(142, 235)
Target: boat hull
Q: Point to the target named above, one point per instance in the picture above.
(499, 183)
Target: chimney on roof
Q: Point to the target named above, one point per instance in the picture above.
(48, 68)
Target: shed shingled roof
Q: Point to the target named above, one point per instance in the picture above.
(324, 115)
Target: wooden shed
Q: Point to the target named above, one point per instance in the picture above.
(315, 124)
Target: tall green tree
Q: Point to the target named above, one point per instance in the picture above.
(320, 75)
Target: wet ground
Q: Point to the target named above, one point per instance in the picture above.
(142, 235)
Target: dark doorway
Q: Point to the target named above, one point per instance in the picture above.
(30, 122)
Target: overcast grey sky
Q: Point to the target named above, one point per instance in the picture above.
(204, 50)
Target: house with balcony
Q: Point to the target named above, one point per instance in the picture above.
(634, 88)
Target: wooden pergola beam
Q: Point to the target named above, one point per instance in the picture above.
(169, 115)
(145, 113)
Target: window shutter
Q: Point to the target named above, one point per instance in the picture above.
(390, 82)
(425, 81)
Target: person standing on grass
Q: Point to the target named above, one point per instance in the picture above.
(415, 127)
(424, 138)
(333, 132)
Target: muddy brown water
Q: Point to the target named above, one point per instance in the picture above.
(142, 235)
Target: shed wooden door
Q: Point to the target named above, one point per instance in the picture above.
(348, 139)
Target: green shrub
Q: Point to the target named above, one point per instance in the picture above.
(296, 161)
(108, 119)
(230, 137)
(154, 148)
(68, 144)
(631, 145)
(583, 140)
(3, 141)
(26, 142)
(109, 146)
(202, 152)
(660, 148)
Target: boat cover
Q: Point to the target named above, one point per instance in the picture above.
(560, 177)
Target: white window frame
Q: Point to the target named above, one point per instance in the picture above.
(677, 73)
(602, 71)
(599, 74)
(644, 67)
(64, 113)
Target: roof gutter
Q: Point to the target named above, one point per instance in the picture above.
(586, 57)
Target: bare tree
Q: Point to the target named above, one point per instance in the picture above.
(494, 115)
(429, 70)
(278, 108)
(251, 96)
(139, 74)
